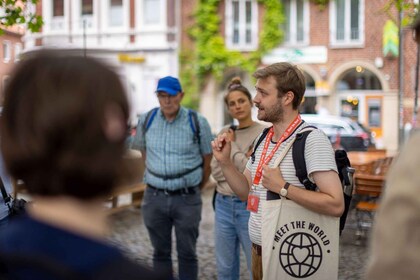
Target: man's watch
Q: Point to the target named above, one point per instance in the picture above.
(283, 191)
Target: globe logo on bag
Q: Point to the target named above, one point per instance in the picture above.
(300, 255)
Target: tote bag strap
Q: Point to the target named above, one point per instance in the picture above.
(277, 162)
(283, 153)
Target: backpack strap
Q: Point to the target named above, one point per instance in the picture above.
(6, 197)
(149, 119)
(260, 139)
(298, 154)
(195, 125)
(192, 117)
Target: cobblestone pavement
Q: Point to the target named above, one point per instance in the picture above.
(130, 234)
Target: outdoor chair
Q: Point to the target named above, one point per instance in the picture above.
(368, 188)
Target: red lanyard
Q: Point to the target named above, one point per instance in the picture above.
(265, 160)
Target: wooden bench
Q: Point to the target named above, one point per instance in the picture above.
(130, 182)
(136, 191)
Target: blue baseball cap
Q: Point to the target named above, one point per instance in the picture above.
(170, 85)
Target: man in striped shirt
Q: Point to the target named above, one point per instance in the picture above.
(177, 166)
(280, 88)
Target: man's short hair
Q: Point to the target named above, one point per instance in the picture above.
(52, 126)
(288, 78)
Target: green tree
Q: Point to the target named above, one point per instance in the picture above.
(15, 12)
(210, 57)
(407, 6)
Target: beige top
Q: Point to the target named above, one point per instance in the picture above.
(395, 247)
(244, 139)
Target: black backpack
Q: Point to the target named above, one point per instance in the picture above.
(345, 171)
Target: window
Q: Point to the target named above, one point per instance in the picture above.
(18, 51)
(116, 13)
(87, 7)
(55, 15)
(6, 51)
(374, 111)
(241, 23)
(151, 12)
(58, 8)
(359, 78)
(296, 27)
(347, 21)
(85, 11)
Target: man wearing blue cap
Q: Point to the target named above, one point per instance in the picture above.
(176, 143)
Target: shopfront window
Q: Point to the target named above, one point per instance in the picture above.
(359, 78)
(350, 107)
(374, 112)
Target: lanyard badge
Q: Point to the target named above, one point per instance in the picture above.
(253, 200)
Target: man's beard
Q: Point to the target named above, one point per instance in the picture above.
(274, 114)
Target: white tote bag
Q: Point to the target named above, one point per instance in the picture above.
(298, 243)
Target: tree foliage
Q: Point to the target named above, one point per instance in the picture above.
(210, 57)
(407, 7)
(15, 12)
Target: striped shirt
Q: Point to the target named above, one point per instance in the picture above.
(171, 150)
(319, 156)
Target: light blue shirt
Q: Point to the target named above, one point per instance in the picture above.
(171, 149)
(4, 210)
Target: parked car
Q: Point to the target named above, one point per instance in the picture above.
(343, 132)
(370, 134)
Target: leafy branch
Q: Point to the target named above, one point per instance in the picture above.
(210, 57)
(16, 13)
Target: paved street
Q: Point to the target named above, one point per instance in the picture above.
(130, 234)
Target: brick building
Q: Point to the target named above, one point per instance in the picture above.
(11, 48)
(340, 50)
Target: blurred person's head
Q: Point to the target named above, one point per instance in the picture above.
(278, 85)
(63, 125)
(169, 93)
(416, 28)
(238, 100)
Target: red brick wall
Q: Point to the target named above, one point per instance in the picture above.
(374, 21)
(6, 67)
(187, 21)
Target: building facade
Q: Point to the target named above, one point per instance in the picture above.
(340, 48)
(137, 37)
(11, 49)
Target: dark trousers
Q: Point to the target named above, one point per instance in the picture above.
(4, 223)
(163, 211)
